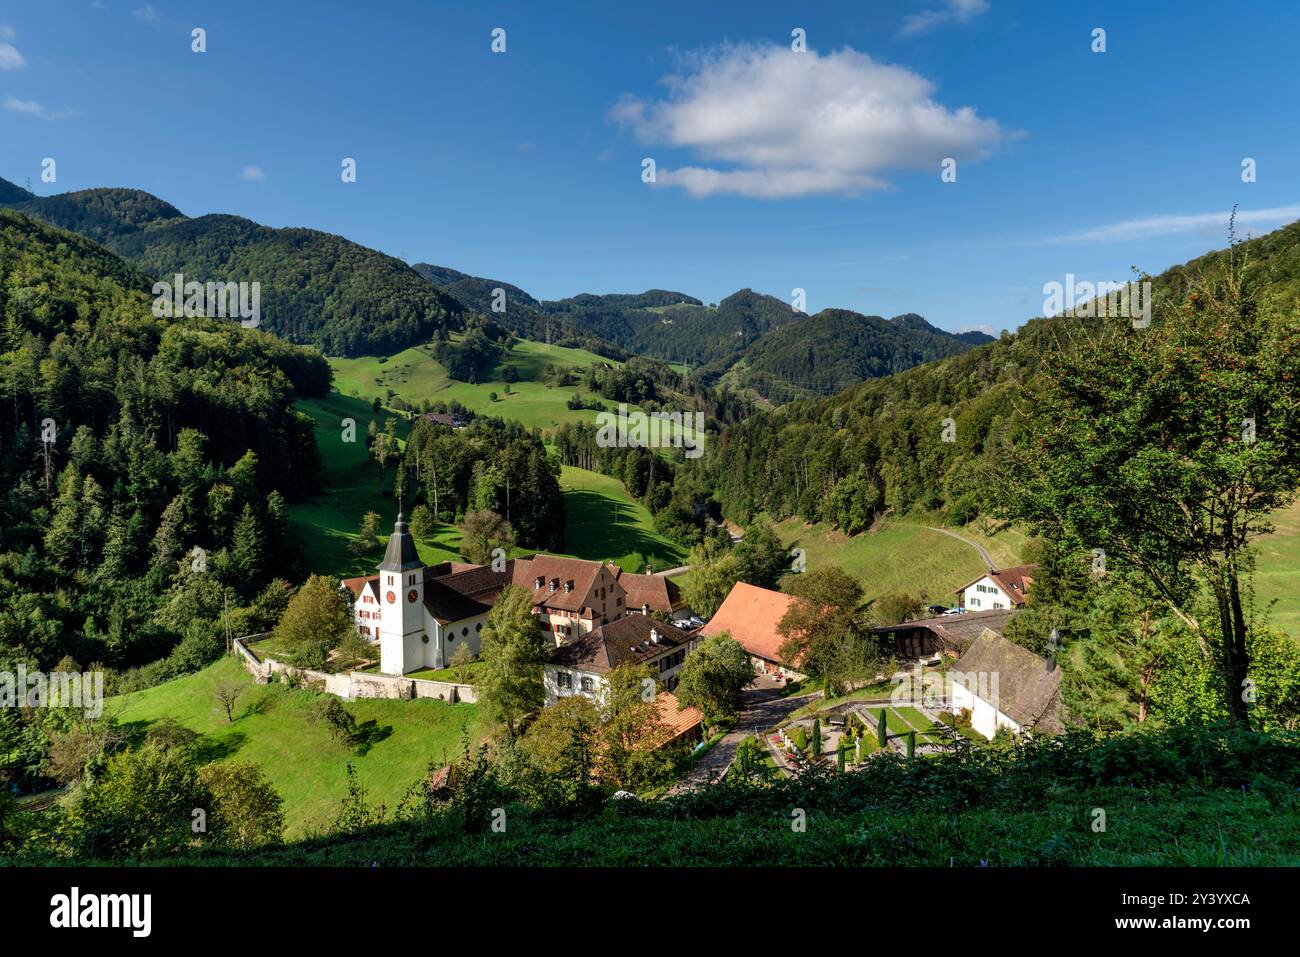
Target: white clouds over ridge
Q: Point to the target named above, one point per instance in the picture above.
(783, 124)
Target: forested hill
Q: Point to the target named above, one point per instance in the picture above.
(127, 441)
(755, 344)
(879, 445)
(316, 287)
(9, 193)
(674, 326)
(522, 314)
(833, 350)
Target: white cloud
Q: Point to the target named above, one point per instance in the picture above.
(784, 124)
(1215, 224)
(254, 173)
(146, 13)
(32, 108)
(953, 11)
(10, 58)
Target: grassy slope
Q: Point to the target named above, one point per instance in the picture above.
(602, 522)
(415, 375)
(352, 485)
(305, 765)
(902, 557)
(1144, 828)
(1277, 574)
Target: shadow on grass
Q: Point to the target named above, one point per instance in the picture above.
(368, 734)
(590, 532)
(208, 749)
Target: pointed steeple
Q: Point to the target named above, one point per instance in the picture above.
(401, 554)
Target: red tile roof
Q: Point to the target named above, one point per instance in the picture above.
(750, 615)
(673, 723)
(356, 585)
(1014, 582)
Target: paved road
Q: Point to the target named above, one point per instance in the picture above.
(984, 554)
(762, 707)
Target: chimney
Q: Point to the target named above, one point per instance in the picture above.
(654, 636)
(645, 608)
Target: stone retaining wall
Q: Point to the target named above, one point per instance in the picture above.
(353, 684)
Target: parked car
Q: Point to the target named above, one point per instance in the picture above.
(936, 609)
(954, 611)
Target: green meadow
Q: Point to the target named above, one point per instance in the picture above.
(352, 485)
(1277, 572)
(899, 557)
(602, 522)
(414, 375)
(307, 767)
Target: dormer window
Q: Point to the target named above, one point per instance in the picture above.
(555, 583)
(539, 582)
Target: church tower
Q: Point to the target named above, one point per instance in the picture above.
(401, 592)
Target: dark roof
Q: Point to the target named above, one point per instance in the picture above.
(956, 632)
(401, 554)
(621, 642)
(657, 591)
(446, 604)
(1027, 691)
(479, 581)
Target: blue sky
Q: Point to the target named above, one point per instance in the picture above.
(820, 173)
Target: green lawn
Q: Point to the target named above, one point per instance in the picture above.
(1277, 574)
(918, 720)
(447, 674)
(901, 556)
(415, 375)
(603, 523)
(303, 762)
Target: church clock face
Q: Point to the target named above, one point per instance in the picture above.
(391, 597)
(412, 595)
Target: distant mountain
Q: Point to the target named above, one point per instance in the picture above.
(522, 313)
(316, 287)
(350, 300)
(749, 341)
(9, 193)
(674, 326)
(835, 349)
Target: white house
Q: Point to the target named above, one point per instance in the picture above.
(582, 665)
(997, 589)
(997, 683)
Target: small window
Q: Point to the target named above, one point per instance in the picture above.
(464, 631)
(563, 681)
(587, 684)
(478, 627)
